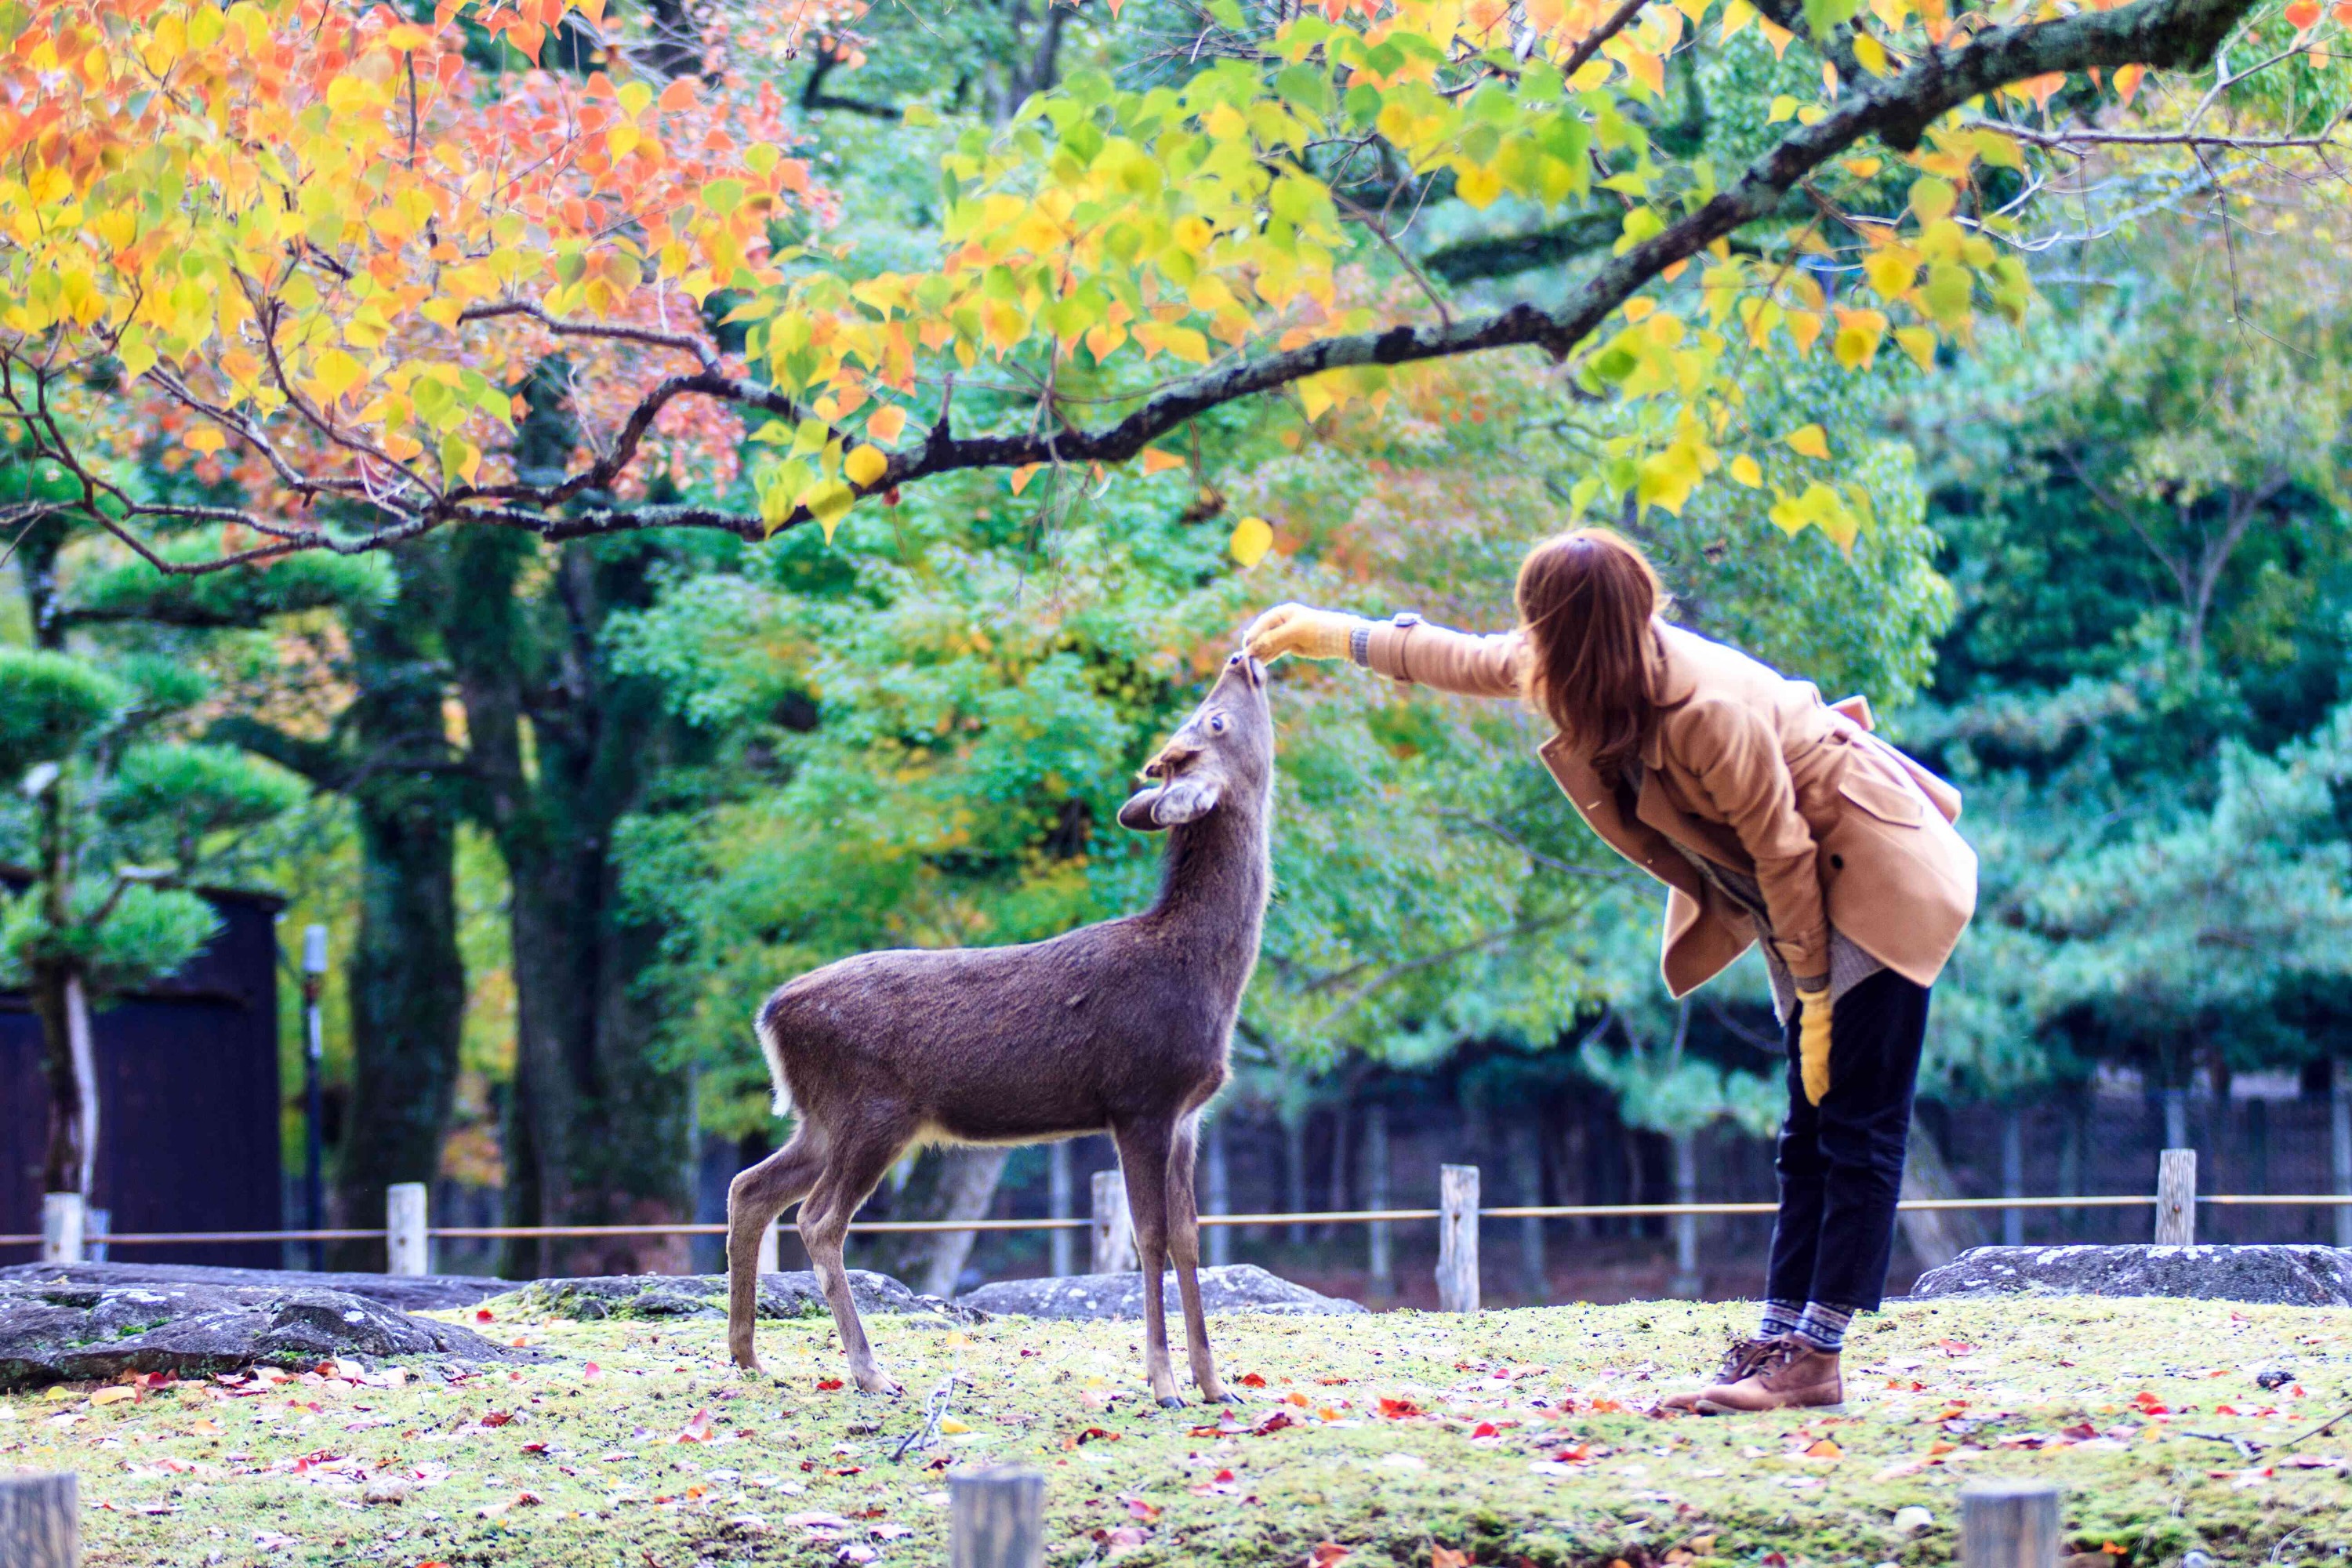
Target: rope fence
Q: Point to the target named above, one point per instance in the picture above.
(410, 1233)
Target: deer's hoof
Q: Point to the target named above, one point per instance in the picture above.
(1225, 1398)
(1169, 1402)
(878, 1384)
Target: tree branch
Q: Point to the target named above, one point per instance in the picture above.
(1897, 108)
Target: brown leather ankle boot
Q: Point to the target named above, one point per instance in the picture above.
(1784, 1374)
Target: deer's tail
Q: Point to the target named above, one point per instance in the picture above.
(771, 1047)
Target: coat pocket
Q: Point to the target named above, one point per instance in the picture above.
(1888, 802)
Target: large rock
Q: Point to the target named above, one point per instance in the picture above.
(1236, 1287)
(792, 1295)
(408, 1293)
(2291, 1276)
(70, 1332)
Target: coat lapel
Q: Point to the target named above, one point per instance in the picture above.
(1637, 840)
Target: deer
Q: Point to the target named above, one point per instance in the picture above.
(1123, 1027)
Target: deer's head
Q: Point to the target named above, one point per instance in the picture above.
(1223, 753)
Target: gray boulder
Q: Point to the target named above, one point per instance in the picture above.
(2290, 1276)
(407, 1293)
(794, 1295)
(1236, 1287)
(73, 1333)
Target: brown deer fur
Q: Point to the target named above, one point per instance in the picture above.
(1120, 1028)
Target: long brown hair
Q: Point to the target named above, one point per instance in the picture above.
(1587, 599)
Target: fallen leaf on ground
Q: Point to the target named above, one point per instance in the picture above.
(1326, 1554)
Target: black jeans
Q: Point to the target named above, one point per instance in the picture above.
(1841, 1162)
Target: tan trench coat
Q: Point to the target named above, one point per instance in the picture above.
(1753, 770)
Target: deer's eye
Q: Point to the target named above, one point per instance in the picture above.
(1216, 723)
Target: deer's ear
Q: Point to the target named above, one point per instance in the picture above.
(1171, 804)
(1136, 812)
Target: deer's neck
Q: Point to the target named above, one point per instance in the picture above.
(1214, 883)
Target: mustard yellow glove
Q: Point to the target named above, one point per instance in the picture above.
(1301, 629)
(1813, 1043)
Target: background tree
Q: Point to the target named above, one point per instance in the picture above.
(116, 811)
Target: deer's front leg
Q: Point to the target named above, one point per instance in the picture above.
(1143, 1161)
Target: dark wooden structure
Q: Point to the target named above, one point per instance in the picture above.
(190, 1109)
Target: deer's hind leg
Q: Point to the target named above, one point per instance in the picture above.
(853, 1165)
(1184, 1252)
(754, 1198)
(1143, 1155)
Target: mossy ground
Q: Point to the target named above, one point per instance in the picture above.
(1531, 1445)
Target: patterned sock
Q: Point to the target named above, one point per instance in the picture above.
(1780, 1317)
(1824, 1326)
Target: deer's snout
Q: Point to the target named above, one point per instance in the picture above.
(1171, 757)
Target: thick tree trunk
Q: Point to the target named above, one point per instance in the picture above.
(407, 988)
(597, 1125)
(968, 1180)
(1935, 1236)
(405, 976)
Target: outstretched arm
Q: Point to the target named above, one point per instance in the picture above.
(1404, 647)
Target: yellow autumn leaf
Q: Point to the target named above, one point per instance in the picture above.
(1919, 342)
(1156, 461)
(829, 504)
(1745, 469)
(1022, 474)
(1810, 440)
(1890, 271)
(1253, 537)
(204, 438)
(863, 466)
(1933, 199)
(334, 372)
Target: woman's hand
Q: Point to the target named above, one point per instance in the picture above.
(1813, 1043)
(1301, 629)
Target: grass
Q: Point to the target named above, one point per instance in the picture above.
(1529, 1445)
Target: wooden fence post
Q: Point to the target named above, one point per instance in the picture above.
(1114, 1231)
(996, 1519)
(2176, 1198)
(2010, 1524)
(1457, 1238)
(406, 1216)
(64, 1227)
(40, 1521)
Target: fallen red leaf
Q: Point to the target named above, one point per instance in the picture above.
(1273, 1423)
(482, 1314)
(1398, 1409)
(1326, 1554)
(1955, 1347)
(827, 1385)
(1250, 1380)
(1137, 1509)
(1094, 1434)
(1485, 1429)
(498, 1418)
(1447, 1557)
(592, 1370)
